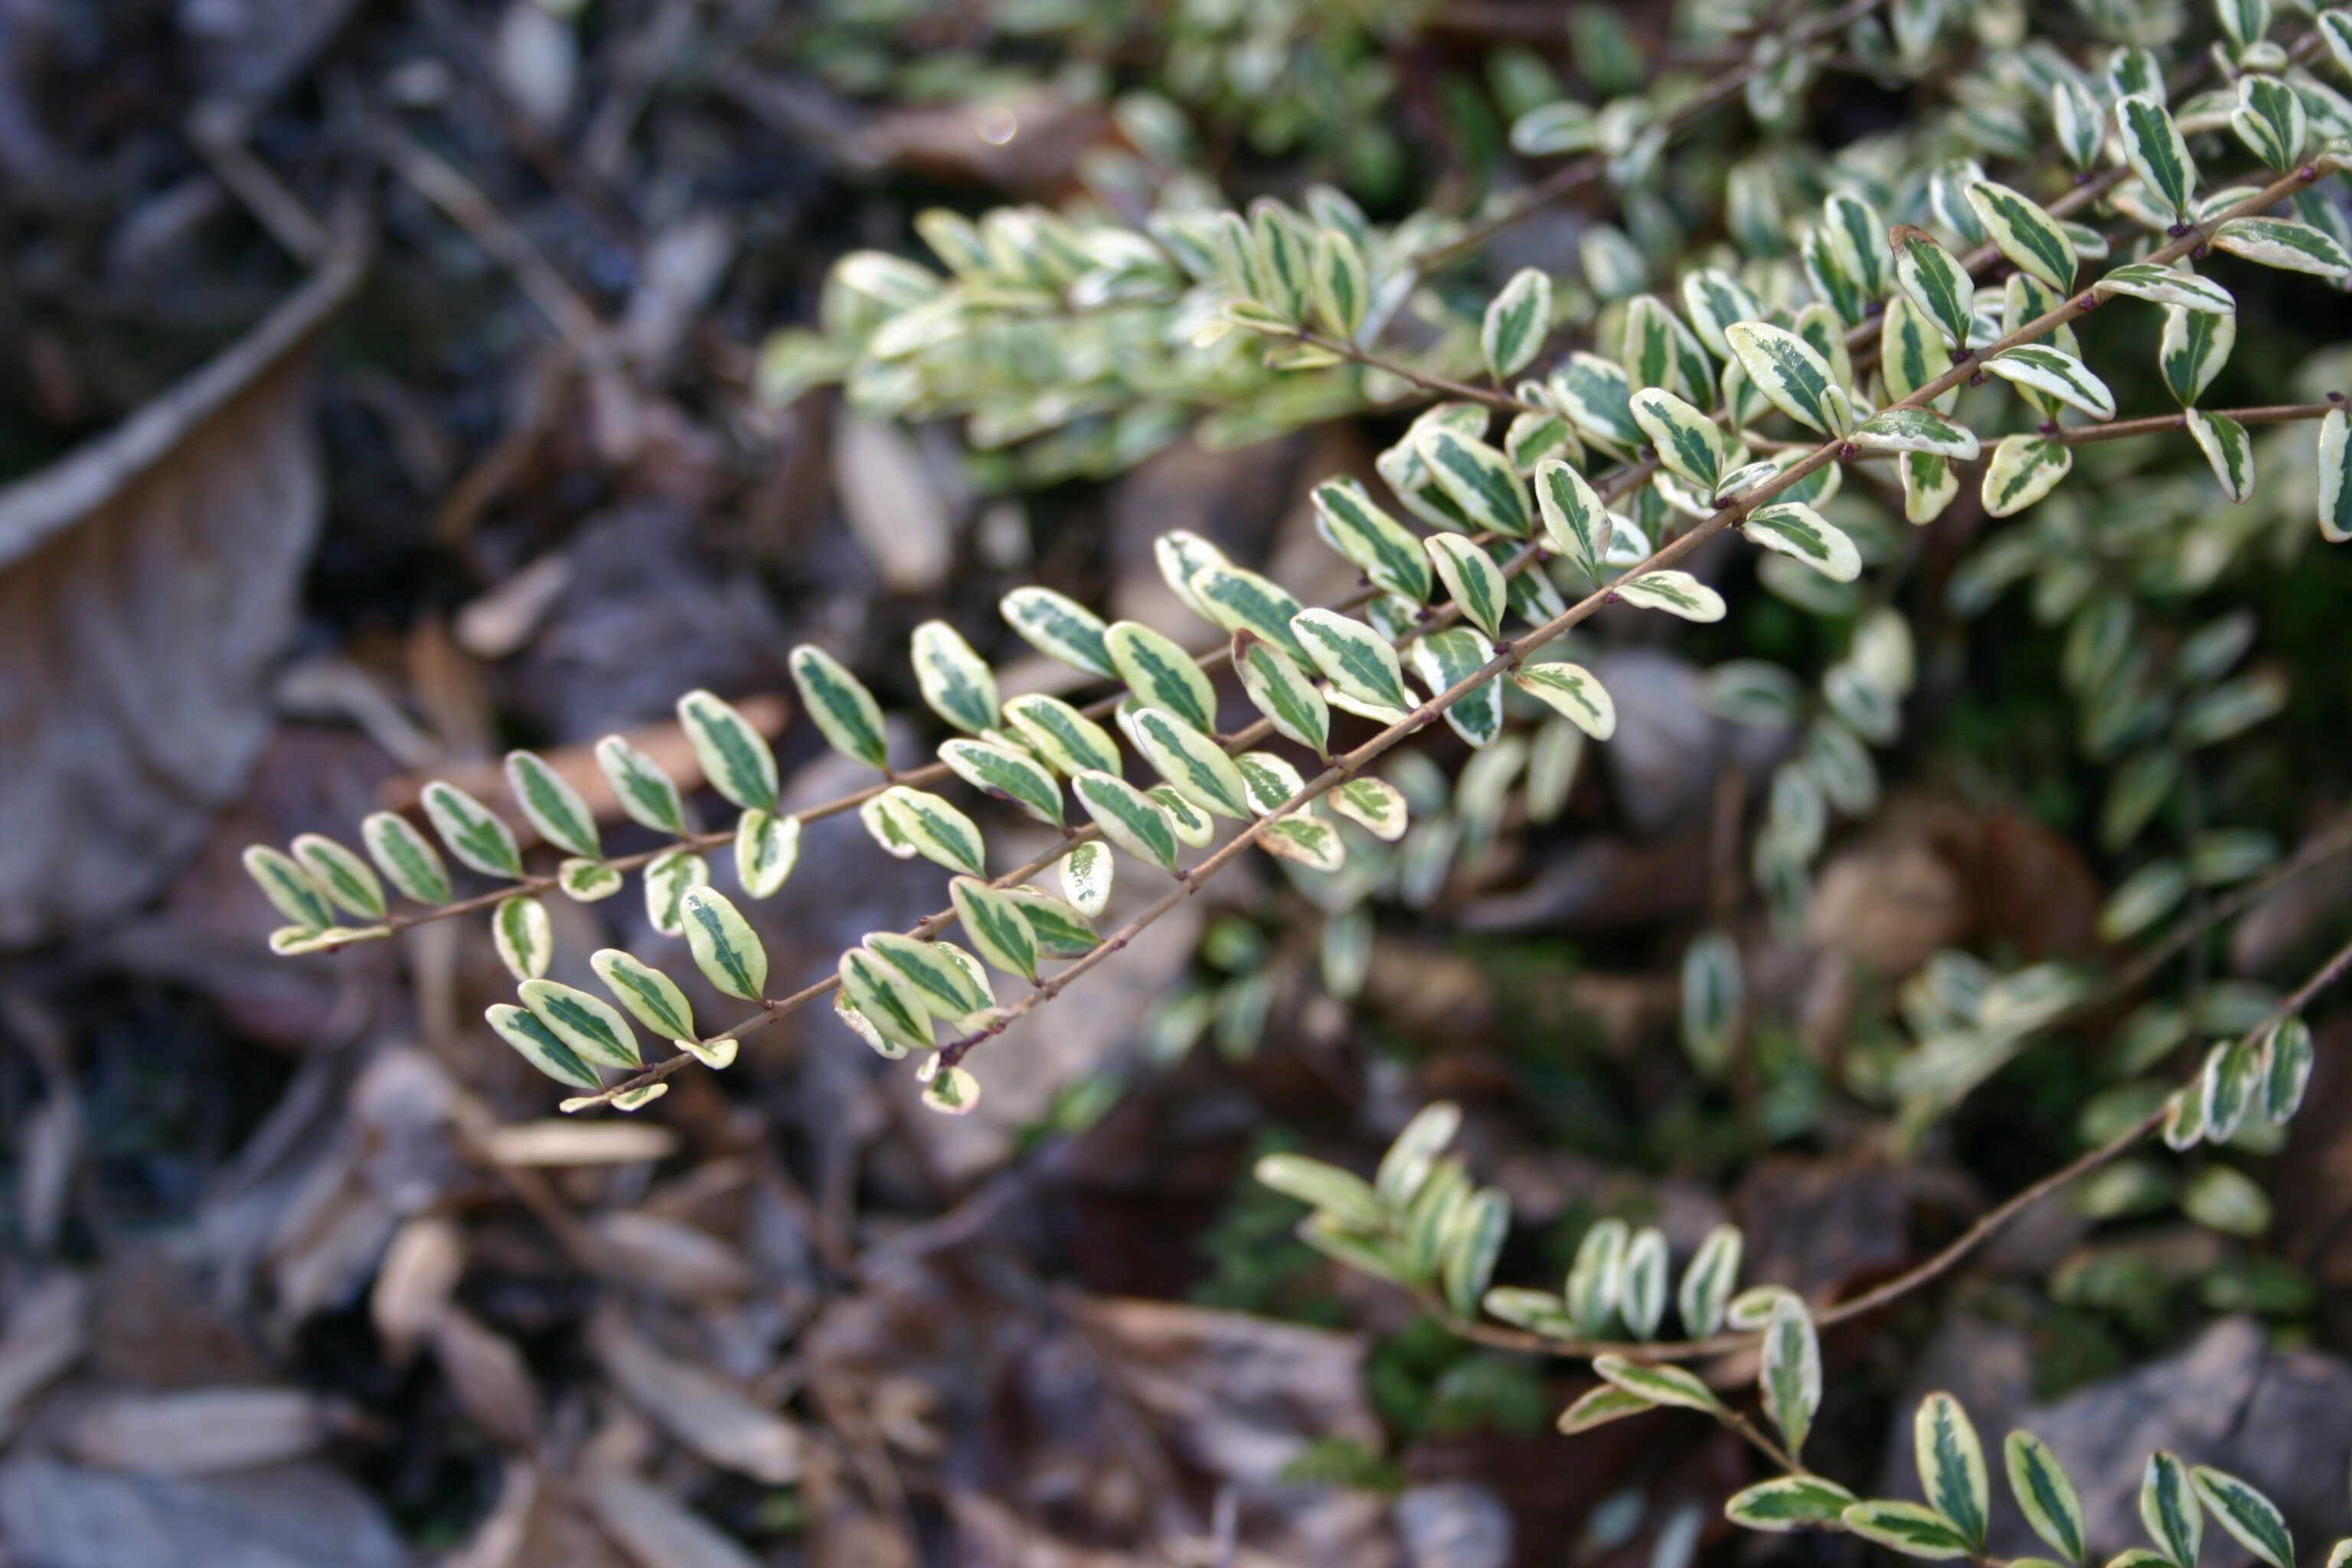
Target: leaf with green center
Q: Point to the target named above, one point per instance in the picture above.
(1598, 400)
(1356, 659)
(2046, 1496)
(1676, 593)
(519, 929)
(1342, 285)
(1641, 1290)
(2168, 1510)
(1478, 478)
(2270, 120)
(2023, 469)
(1908, 355)
(1237, 600)
(2286, 1070)
(1590, 1291)
(1284, 258)
(1006, 775)
(2154, 149)
(2286, 244)
(1708, 1281)
(1714, 300)
(1444, 660)
(1379, 545)
(653, 998)
(1596, 1407)
(1059, 627)
(2228, 450)
(1516, 322)
(994, 922)
(1343, 1194)
(2079, 121)
(1790, 1503)
(2335, 478)
(1689, 444)
(2335, 31)
(1374, 804)
(1804, 534)
(946, 990)
(540, 1045)
(956, 682)
(1660, 1384)
(1162, 674)
(939, 832)
(348, 881)
(668, 877)
(845, 712)
(1857, 233)
(1660, 352)
(1931, 280)
(471, 830)
(291, 889)
(1087, 873)
(1473, 581)
(725, 947)
(587, 1023)
(2022, 232)
(1916, 430)
(1059, 930)
(1791, 376)
(1278, 689)
(1576, 522)
(886, 998)
(649, 796)
(2195, 346)
(1195, 766)
(1537, 435)
(1272, 780)
(767, 847)
(1128, 818)
(1790, 1373)
(1573, 692)
(1551, 129)
(1951, 1465)
(1472, 1245)
(2165, 286)
(2057, 373)
(553, 806)
(1068, 740)
(1908, 1528)
(2229, 1083)
(1192, 826)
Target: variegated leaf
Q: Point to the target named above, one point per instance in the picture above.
(886, 998)
(1271, 780)
(1007, 774)
(939, 832)
(2195, 346)
(1240, 600)
(734, 756)
(1789, 1374)
(2057, 373)
(1714, 300)
(1590, 1291)
(291, 889)
(1908, 355)
(1660, 1384)
(2335, 484)
(2029, 238)
(288, 941)
(1931, 280)
(1285, 258)
(1791, 376)
(1059, 627)
(1916, 430)
(948, 991)
(2046, 1497)
(653, 998)
(1473, 581)
(1551, 129)
(1195, 766)
(1689, 444)
(2168, 1510)
(956, 682)
(952, 1092)
(1641, 1290)
(1128, 817)
(1804, 534)
(1857, 233)
(1929, 483)
(863, 1027)
(2286, 244)
(1308, 841)
(1067, 739)
(1951, 1465)
(1444, 660)
(1908, 1527)
(1576, 522)
(2165, 286)
(1790, 1503)
(1162, 674)
(1379, 545)
(1539, 434)
(1356, 659)
(2286, 1070)
(2023, 469)
(1660, 352)
(1086, 874)
(2079, 121)
(1573, 692)
(1181, 554)
(767, 847)
(1059, 930)
(1597, 398)
(2227, 449)
(649, 796)
(1708, 1281)
(1278, 689)
(526, 944)
(553, 806)
(406, 857)
(540, 1045)
(1192, 826)
(992, 920)
(1596, 1407)
(845, 712)
(471, 831)
(2154, 149)
(1342, 285)
(2270, 120)
(1676, 593)
(587, 1023)
(1516, 322)
(348, 881)
(1478, 478)
(725, 947)
(1374, 804)
(2229, 1083)
(667, 878)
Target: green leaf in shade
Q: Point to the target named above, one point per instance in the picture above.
(1444, 660)
(2057, 372)
(651, 996)
(1516, 322)
(1689, 444)
(884, 997)
(2286, 1059)
(1239, 600)
(2029, 236)
(1373, 805)
(2154, 149)
(994, 922)
(1278, 689)
(668, 877)
(1006, 775)
(649, 796)
(526, 944)
(1908, 1527)
(1087, 873)
(845, 712)
(1065, 737)
(1804, 534)
(1660, 1384)
(553, 806)
(1790, 1373)
(1708, 1281)
(2046, 1497)
(956, 682)
(1573, 692)
(1792, 377)
(767, 847)
(939, 832)
(1056, 926)
(1916, 430)
(2160, 285)
(725, 947)
(1342, 285)
(472, 832)
(1790, 1503)
(1162, 674)
(1195, 766)
(348, 881)
(2286, 244)
(1376, 543)
(1059, 627)
(1128, 818)
(1576, 522)
(947, 989)
(734, 756)
(1599, 1405)
(1676, 593)
(2251, 1517)
(1356, 659)
(1473, 581)
(1478, 478)
(541, 1047)
(587, 1023)
(2023, 469)
(291, 891)
(2169, 1508)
